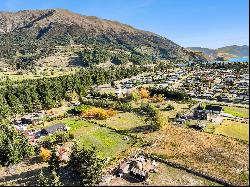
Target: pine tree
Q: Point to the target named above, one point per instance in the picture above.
(53, 161)
(87, 165)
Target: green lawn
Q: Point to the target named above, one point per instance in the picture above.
(237, 111)
(233, 129)
(106, 141)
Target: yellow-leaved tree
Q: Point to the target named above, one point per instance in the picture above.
(45, 154)
(144, 93)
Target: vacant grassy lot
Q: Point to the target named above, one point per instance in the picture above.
(216, 155)
(124, 121)
(169, 176)
(237, 111)
(178, 108)
(233, 129)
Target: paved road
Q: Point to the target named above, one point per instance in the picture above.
(224, 103)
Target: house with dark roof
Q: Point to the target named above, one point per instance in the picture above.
(213, 109)
(199, 113)
(54, 128)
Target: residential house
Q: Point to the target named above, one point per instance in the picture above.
(54, 128)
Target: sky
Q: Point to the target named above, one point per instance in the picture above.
(196, 23)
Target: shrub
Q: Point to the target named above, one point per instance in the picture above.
(169, 107)
(158, 98)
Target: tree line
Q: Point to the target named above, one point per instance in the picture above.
(46, 93)
(169, 94)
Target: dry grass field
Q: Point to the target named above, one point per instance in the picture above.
(213, 154)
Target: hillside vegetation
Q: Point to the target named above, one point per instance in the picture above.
(29, 35)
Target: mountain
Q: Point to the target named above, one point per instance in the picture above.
(31, 35)
(226, 52)
(240, 51)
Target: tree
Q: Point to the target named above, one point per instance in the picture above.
(44, 154)
(134, 96)
(4, 108)
(53, 161)
(87, 165)
(144, 93)
(14, 146)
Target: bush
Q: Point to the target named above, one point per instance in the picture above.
(169, 107)
(158, 98)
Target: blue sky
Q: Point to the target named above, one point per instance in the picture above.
(204, 23)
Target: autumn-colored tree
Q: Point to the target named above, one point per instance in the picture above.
(98, 113)
(111, 112)
(45, 154)
(144, 93)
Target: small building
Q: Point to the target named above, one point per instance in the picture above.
(54, 128)
(199, 113)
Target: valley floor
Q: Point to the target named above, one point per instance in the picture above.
(219, 156)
